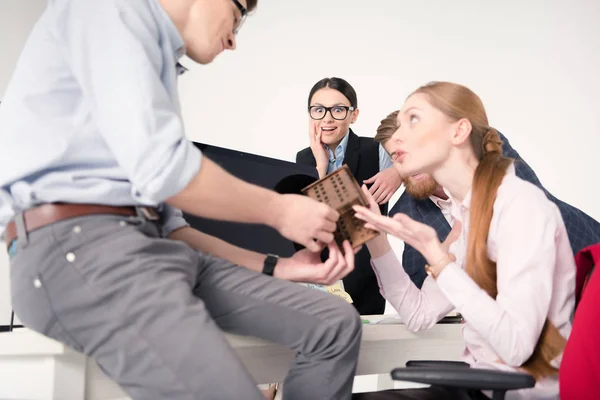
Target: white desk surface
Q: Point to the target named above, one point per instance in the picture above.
(25, 354)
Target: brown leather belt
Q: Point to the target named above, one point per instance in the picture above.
(46, 214)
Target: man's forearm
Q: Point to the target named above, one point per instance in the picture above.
(214, 193)
(219, 248)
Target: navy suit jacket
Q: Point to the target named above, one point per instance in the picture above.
(582, 229)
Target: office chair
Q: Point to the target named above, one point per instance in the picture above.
(460, 377)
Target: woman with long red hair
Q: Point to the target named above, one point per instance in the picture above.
(507, 267)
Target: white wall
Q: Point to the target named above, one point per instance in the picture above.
(534, 63)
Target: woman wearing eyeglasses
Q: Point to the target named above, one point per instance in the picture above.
(332, 108)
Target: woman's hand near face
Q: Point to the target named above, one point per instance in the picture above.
(318, 149)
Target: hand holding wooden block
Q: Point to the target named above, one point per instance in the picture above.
(340, 190)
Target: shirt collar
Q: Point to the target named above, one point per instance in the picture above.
(174, 37)
(441, 203)
(458, 208)
(340, 150)
(180, 69)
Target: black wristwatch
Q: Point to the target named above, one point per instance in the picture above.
(270, 263)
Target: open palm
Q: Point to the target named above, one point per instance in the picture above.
(306, 266)
(416, 234)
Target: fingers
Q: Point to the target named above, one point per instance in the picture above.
(313, 246)
(388, 197)
(370, 226)
(311, 132)
(348, 258)
(380, 194)
(370, 199)
(408, 222)
(367, 215)
(324, 274)
(415, 233)
(344, 262)
(363, 213)
(321, 224)
(335, 268)
(374, 187)
(403, 218)
(379, 222)
(328, 217)
(331, 215)
(329, 226)
(371, 179)
(349, 253)
(325, 237)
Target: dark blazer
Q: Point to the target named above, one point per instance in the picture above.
(362, 157)
(582, 229)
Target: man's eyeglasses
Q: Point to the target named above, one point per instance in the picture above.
(243, 13)
(337, 112)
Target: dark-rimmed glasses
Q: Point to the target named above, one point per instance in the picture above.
(336, 112)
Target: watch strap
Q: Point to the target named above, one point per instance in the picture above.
(270, 263)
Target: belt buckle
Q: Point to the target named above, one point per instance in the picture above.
(149, 213)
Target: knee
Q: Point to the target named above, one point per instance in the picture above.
(352, 321)
(337, 329)
(348, 325)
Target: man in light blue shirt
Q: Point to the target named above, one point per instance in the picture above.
(94, 168)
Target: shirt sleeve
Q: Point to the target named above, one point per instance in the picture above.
(418, 309)
(113, 50)
(172, 219)
(523, 234)
(385, 161)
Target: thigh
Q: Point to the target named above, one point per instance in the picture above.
(124, 297)
(253, 304)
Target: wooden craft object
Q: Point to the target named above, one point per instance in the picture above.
(340, 191)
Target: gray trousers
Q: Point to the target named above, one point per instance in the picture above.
(152, 312)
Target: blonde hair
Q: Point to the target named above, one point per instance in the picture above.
(458, 102)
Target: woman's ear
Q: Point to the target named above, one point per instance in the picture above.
(354, 116)
(462, 131)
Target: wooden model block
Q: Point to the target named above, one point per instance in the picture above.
(341, 191)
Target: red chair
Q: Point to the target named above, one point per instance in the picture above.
(579, 376)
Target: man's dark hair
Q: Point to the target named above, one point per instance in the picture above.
(251, 4)
(338, 84)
